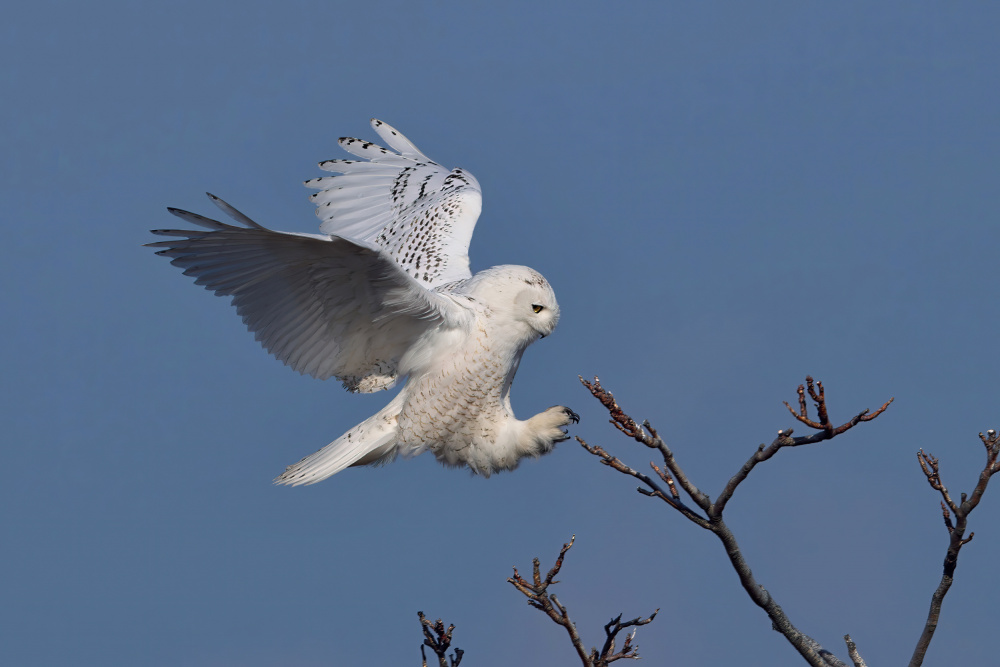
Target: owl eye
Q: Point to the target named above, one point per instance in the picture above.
(535, 307)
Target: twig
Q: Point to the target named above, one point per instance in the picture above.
(956, 529)
(712, 520)
(611, 630)
(817, 394)
(785, 439)
(538, 596)
(654, 490)
(438, 638)
(647, 435)
(852, 651)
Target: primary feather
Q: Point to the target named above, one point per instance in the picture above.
(385, 292)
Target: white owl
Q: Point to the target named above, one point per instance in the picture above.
(385, 292)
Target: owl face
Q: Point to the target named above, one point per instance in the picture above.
(518, 296)
(536, 306)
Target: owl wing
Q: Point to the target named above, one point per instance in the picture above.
(326, 306)
(417, 212)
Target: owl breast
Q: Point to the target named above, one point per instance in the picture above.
(459, 403)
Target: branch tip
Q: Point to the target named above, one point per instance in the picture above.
(438, 639)
(822, 423)
(852, 651)
(539, 598)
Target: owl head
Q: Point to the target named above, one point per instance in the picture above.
(519, 297)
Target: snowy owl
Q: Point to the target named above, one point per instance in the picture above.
(383, 293)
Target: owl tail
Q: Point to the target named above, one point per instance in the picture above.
(371, 441)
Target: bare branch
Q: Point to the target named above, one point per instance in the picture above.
(549, 578)
(852, 651)
(817, 393)
(438, 638)
(931, 469)
(763, 453)
(785, 439)
(654, 489)
(538, 597)
(700, 499)
(665, 476)
(807, 647)
(647, 435)
(619, 419)
(992, 443)
(803, 414)
(611, 630)
(956, 530)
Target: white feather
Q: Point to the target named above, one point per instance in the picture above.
(385, 292)
(421, 213)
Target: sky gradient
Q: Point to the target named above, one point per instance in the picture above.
(725, 198)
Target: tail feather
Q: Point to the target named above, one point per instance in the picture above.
(371, 441)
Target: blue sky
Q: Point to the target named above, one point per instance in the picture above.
(725, 198)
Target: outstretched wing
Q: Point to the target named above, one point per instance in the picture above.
(419, 213)
(324, 305)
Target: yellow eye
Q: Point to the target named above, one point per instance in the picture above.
(535, 307)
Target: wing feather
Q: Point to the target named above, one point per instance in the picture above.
(397, 141)
(419, 213)
(325, 305)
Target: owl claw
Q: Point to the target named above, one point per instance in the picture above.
(572, 416)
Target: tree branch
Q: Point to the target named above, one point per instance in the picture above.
(438, 638)
(817, 394)
(852, 651)
(538, 597)
(806, 646)
(611, 630)
(654, 490)
(956, 530)
(647, 436)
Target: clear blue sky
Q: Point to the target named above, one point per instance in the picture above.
(725, 198)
